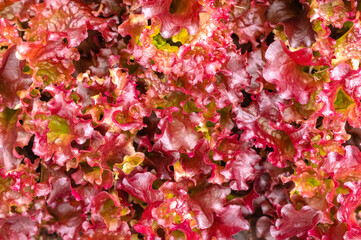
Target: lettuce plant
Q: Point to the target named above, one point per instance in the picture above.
(180, 119)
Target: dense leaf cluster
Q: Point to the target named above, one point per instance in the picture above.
(180, 119)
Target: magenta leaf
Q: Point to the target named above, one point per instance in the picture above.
(12, 78)
(140, 186)
(295, 223)
(287, 74)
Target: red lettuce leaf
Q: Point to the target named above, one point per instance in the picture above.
(67, 19)
(349, 203)
(343, 167)
(286, 73)
(178, 133)
(241, 167)
(227, 222)
(174, 15)
(8, 131)
(140, 186)
(18, 227)
(109, 208)
(294, 16)
(12, 78)
(206, 202)
(295, 223)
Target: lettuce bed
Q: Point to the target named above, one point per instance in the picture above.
(183, 119)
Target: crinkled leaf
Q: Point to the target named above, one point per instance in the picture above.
(287, 75)
(295, 223)
(140, 186)
(8, 119)
(18, 227)
(174, 15)
(12, 78)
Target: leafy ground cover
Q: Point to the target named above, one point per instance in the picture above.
(180, 119)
